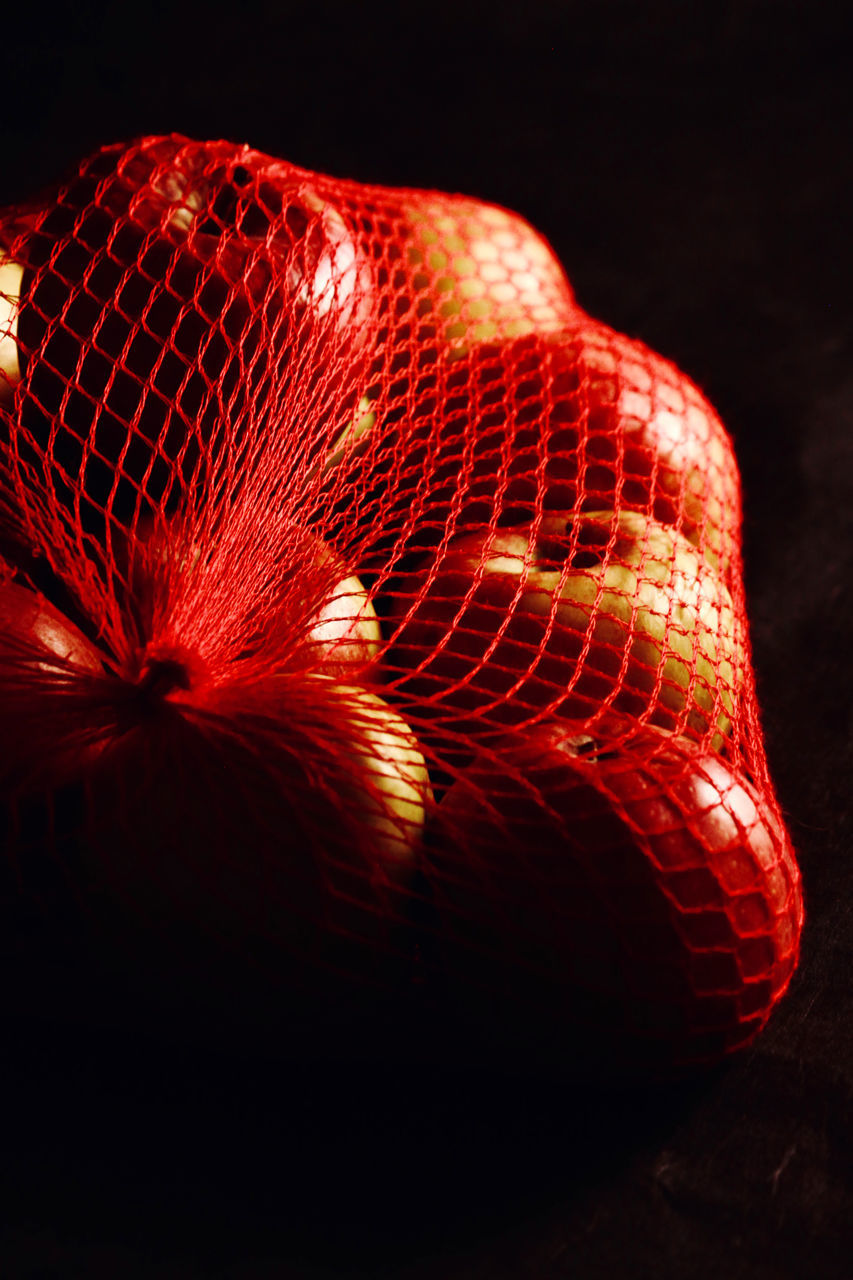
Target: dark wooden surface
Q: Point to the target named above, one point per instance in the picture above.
(692, 167)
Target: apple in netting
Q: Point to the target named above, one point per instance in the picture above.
(251, 844)
(584, 417)
(244, 208)
(581, 419)
(345, 630)
(650, 430)
(227, 835)
(574, 613)
(466, 275)
(281, 235)
(329, 781)
(480, 273)
(620, 425)
(164, 295)
(599, 885)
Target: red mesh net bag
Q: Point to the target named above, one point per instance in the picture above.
(371, 619)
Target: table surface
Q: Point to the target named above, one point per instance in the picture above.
(693, 173)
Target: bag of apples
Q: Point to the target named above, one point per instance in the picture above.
(371, 619)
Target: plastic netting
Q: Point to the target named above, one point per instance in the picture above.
(371, 616)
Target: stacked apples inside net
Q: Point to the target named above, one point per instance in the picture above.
(363, 598)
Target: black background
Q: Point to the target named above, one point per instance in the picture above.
(691, 165)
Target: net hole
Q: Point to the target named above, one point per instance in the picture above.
(585, 549)
(591, 546)
(590, 748)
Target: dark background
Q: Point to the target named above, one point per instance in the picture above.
(691, 165)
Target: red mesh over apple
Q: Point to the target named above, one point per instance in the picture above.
(370, 614)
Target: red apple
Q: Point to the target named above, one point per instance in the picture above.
(321, 780)
(573, 614)
(584, 418)
(227, 834)
(245, 851)
(461, 440)
(650, 430)
(165, 295)
(270, 227)
(624, 871)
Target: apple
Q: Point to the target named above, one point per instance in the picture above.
(574, 613)
(126, 348)
(327, 781)
(244, 853)
(223, 834)
(480, 273)
(345, 630)
(611, 884)
(463, 275)
(168, 294)
(275, 232)
(650, 426)
(578, 419)
(221, 195)
(271, 228)
(392, 795)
